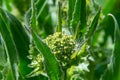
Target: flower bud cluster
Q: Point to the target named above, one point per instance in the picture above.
(62, 47)
(36, 61)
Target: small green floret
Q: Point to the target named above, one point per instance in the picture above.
(62, 46)
(36, 61)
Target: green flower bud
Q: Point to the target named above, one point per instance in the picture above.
(36, 61)
(62, 47)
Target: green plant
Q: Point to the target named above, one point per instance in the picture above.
(77, 45)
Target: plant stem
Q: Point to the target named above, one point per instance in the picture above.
(59, 26)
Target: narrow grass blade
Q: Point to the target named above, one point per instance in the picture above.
(33, 16)
(45, 20)
(78, 21)
(116, 51)
(59, 25)
(40, 5)
(82, 27)
(51, 64)
(10, 47)
(43, 17)
(71, 4)
(22, 42)
(93, 26)
(75, 16)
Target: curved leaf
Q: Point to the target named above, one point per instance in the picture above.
(22, 41)
(10, 47)
(78, 19)
(113, 70)
(93, 26)
(116, 51)
(75, 15)
(71, 4)
(43, 16)
(59, 25)
(52, 66)
(83, 16)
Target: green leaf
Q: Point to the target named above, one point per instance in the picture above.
(2, 56)
(78, 19)
(75, 16)
(21, 5)
(116, 51)
(7, 4)
(52, 66)
(40, 5)
(113, 69)
(22, 41)
(83, 16)
(93, 26)
(9, 76)
(10, 47)
(27, 18)
(43, 17)
(71, 4)
(33, 16)
(45, 21)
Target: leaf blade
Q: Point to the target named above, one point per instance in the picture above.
(52, 66)
(113, 68)
(71, 4)
(75, 16)
(93, 25)
(22, 41)
(116, 51)
(10, 47)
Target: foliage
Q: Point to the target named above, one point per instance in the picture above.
(60, 40)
